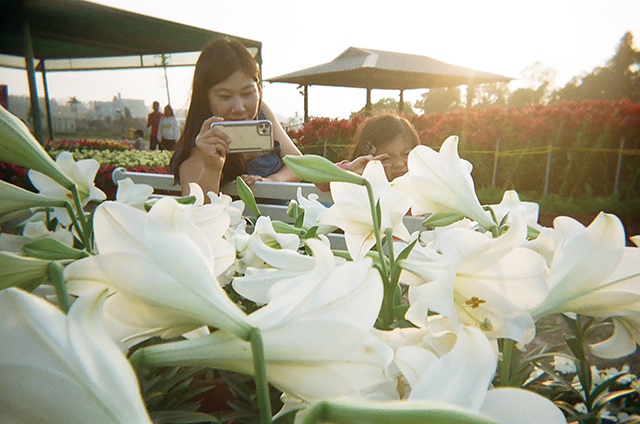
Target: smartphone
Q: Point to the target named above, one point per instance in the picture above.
(247, 136)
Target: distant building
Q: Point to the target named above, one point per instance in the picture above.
(100, 110)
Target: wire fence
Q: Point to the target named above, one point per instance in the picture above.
(338, 151)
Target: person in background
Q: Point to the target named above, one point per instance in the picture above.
(169, 130)
(227, 87)
(387, 138)
(140, 144)
(153, 121)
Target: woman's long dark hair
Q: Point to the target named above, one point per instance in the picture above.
(218, 61)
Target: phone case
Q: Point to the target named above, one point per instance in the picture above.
(248, 136)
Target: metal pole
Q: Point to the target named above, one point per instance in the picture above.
(401, 103)
(306, 104)
(616, 185)
(47, 101)
(548, 171)
(33, 89)
(368, 108)
(495, 164)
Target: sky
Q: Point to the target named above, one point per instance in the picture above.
(504, 37)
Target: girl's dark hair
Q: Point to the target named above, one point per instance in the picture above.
(168, 111)
(378, 130)
(218, 61)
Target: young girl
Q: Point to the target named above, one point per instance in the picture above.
(387, 138)
(226, 87)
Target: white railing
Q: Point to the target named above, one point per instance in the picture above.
(272, 197)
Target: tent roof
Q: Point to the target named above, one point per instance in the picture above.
(66, 32)
(367, 68)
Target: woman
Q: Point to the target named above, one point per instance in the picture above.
(226, 87)
(168, 130)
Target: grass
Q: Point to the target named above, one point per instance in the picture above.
(554, 204)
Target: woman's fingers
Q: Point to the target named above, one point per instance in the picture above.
(250, 179)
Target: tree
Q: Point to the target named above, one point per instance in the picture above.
(388, 105)
(441, 99)
(490, 94)
(537, 78)
(618, 79)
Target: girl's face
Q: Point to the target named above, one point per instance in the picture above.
(395, 164)
(236, 98)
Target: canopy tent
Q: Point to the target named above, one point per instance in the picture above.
(367, 68)
(72, 35)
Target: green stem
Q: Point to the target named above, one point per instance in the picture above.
(389, 291)
(260, 371)
(376, 229)
(507, 357)
(83, 230)
(76, 224)
(54, 269)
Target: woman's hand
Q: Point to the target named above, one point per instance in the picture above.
(250, 179)
(358, 164)
(212, 144)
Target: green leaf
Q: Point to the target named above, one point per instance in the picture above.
(441, 219)
(48, 248)
(246, 195)
(18, 146)
(317, 169)
(21, 271)
(401, 412)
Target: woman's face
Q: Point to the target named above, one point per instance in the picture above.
(395, 165)
(236, 98)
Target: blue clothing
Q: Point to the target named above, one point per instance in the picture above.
(267, 163)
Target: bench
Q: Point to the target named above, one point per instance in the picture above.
(266, 193)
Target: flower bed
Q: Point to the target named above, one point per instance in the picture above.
(585, 139)
(442, 325)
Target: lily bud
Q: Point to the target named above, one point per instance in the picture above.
(14, 198)
(18, 146)
(317, 169)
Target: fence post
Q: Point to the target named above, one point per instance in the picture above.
(548, 170)
(495, 164)
(616, 185)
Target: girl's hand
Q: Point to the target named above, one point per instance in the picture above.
(212, 144)
(358, 164)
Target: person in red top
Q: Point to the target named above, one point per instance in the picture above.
(153, 121)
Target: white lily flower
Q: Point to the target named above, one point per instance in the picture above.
(463, 377)
(593, 273)
(57, 368)
(316, 333)
(312, 209)
(266, 247)
(441, 182)
(511, 204)
(479, 281)
(234, 208)
(213, 220)
(161, 268)
(352, 211)
(133, 194)
(284, 264)
(82, 173)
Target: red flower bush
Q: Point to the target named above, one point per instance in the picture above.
(584, 139)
